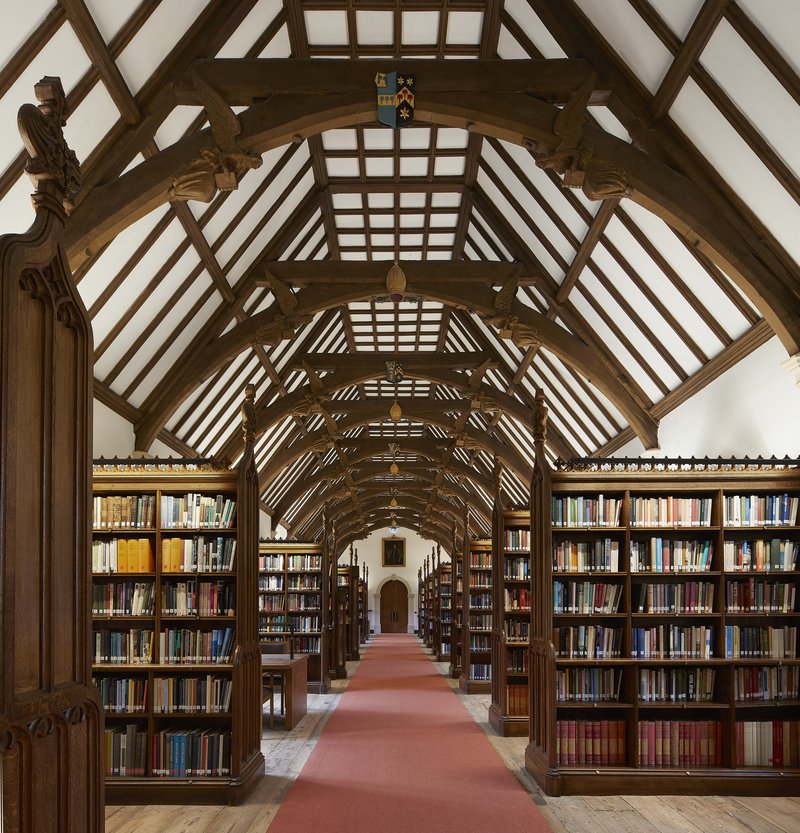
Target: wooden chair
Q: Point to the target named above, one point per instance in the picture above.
(269, 679)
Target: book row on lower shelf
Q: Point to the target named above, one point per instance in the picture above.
(197, 554)
(174, 753)
(178, 598)
(678, 744)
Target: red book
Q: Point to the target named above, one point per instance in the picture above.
(659, 752)
(580, 740)
(604, 742)
(596, 756)
(705, 733)
(716, 726)
(651, 743)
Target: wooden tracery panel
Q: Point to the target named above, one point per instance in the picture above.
(50, 716)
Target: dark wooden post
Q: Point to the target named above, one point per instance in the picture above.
(50, 713)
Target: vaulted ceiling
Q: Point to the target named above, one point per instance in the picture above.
(607, 214)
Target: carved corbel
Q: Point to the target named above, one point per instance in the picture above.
(219, 167)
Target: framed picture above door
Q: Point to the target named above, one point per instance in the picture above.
(394, 552)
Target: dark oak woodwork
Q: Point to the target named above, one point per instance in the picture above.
(51, 720)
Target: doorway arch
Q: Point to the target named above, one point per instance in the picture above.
(393, 600)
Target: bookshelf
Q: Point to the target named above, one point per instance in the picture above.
(292, 603)
(456, 635)
(664, 655)
(420, 605)
(431, 604)
(347, 595)
(476, 629)
(174, 620)
(363, 604)
(508, 713)
(445, 612)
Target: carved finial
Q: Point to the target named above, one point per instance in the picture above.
(51, 159)
(497, 473)
(249, 415)
(539, 418)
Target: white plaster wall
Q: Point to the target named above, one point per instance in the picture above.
(753, 409)
(112, 435)
(369, 552)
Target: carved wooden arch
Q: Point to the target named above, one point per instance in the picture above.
(431, 530)
(446, 513)
(365, 473)
(406, 495)
(303, 401)
(320, 440)
(529, 327)
(611, 166)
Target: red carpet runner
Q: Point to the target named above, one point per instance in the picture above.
(401, 755)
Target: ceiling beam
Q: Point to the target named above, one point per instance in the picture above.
(243, 82)
(611, 168)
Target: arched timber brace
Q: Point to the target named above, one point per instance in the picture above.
(449, 94)
(357, 282)
(425, 472)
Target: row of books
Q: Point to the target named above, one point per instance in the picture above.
(270, 604)
(771, 743)
(599, 556)
(480, 621)
(480, 560)
(516, 569)
(185, 753)
(673, 744)
(760, 555)
(760, 510)
(192, 695)
(517, 539)
(123, 555)
(670, 510)
(743, 641)
(125, 750)
(275, 562)
(517, 700)
(682, 597)
(123, 598)
(305, 624)
(760, 596)
(305, 582)
(586, 511)
(672, 642)
(518, 598)
(674, 510)
(122, 695)
(676, 685)
(197, 511)
(131, 647)
(479, 642)
(590, 742)
(186, 646)
(588, 685)
(208, 598)
(198, 554)
(480, 581)
(766, 682)
(480, 672)
(308, 645)
(587, 641)
(516, 630)
(586, 597)
(516, 660)
(124, 511)
(666, 555)
(480, 601)
(270, 584)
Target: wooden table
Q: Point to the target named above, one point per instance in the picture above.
(295, 682)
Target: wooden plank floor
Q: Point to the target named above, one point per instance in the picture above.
(286, 752)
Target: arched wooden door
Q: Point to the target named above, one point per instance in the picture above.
(394, 607)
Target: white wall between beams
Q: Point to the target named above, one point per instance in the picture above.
(752, 409)
(370, 553)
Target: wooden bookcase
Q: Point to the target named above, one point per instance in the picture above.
(175, 636)
(685, 717)
(363, 604)
(508, 713)
(293, 604)
(456, 634)
(445, 612)
(476, 629)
